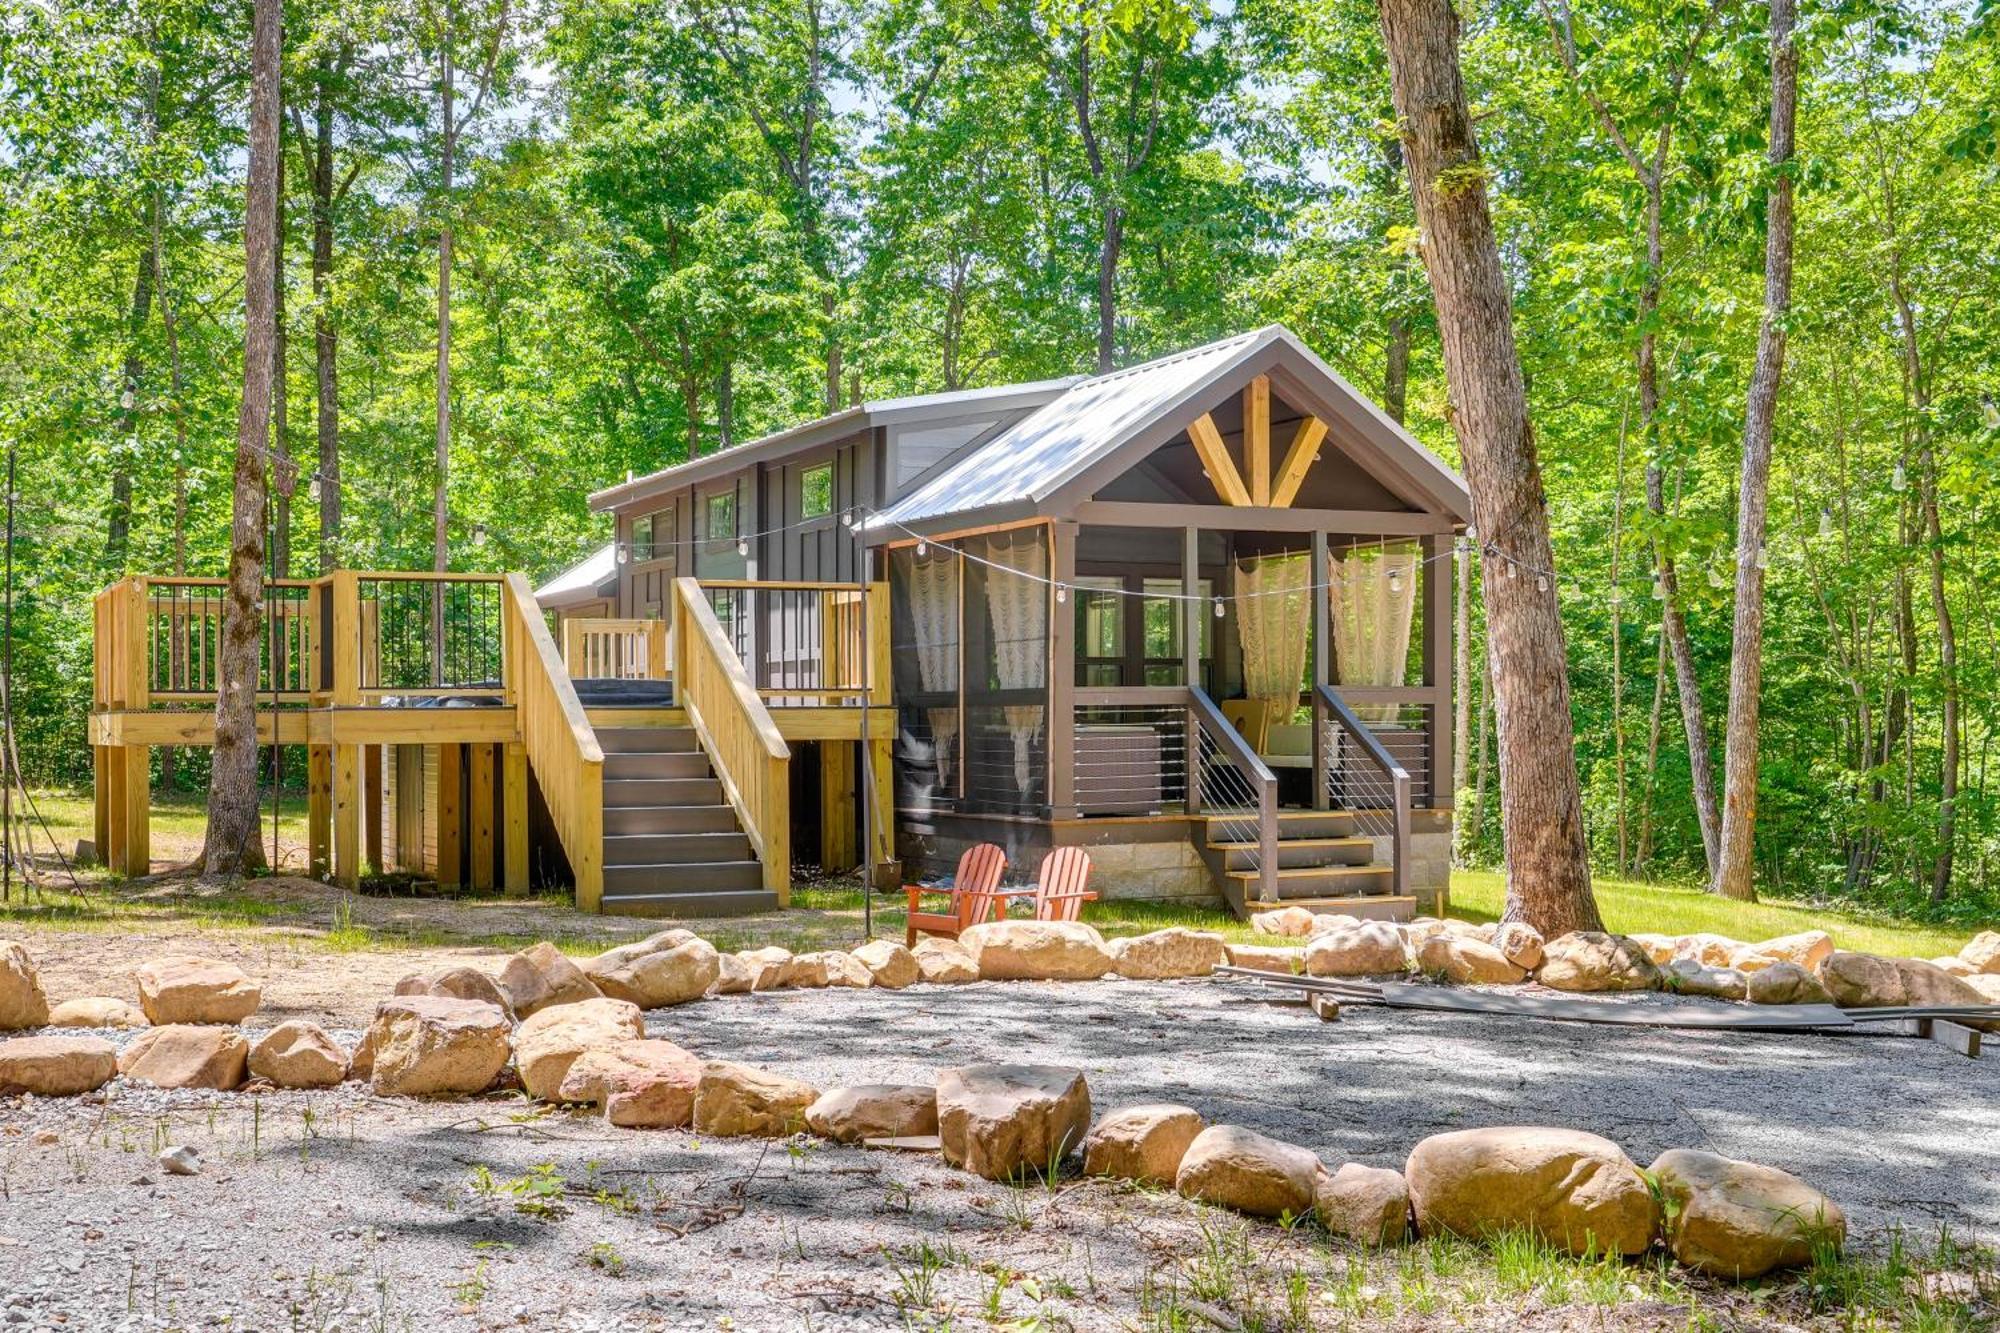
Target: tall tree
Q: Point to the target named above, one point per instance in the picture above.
(1548, 862)
(230, 846)
(1735, 866)
(316, 149)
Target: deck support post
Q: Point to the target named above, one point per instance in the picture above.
(481, 820)
(319, 811)
(450, 814)
(882, 829)
(346, 763)
(131, 811)
(1322, 667)
(371, 805)
(839, 777)
(1061, 729)
(100, 792)
(514, 832)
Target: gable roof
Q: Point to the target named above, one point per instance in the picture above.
(581, 582)
(1062, 443)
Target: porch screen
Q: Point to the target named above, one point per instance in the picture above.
(1273, 602)
(1007, 606)
(1372, 593)
(925, 597)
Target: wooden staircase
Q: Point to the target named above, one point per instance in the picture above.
(672, 843)
(1324, 865)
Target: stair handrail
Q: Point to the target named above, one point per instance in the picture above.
(1398, 778)
(556, 734)
(1208, 719)
(736, 731)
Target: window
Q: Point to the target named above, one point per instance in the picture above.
(721, 516)
(1164, 608)
(816, 491)
(642, 538)
(653, 536)
(1100, 631)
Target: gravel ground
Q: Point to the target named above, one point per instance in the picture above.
(335, 1210)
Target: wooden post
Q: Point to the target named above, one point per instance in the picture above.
(346, 815)
(514, 835)
(371, 805)
(882, 836)
(100, 763)
(1191, 612)
(450, 812)
(1061, 729)
(135, 785)
(481, 820)
(1257, 437)
(1322, 666)
(839, 774)
(319, 810)
(1437, 668)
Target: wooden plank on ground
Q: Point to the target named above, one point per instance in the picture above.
(1955, 1036)
(1623, 1013)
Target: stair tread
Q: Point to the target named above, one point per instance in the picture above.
(1308, 872)
(1252, 845)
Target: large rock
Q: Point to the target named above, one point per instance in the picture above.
(874, 1111)
(433, 1045)
(1326, 921)
(1002, 1121)
(1987, 984)
(1373, 948)
(1037, 951)
(459, 983)
(1283, 921)
(671, 968)
(1785, 983)
(1808, 949)
(1466, 961)
(844, 969)
(56, 1066)
(768, 966)
(1591, 960)
(22, 1004)
(641, 1083)
(1687, 976)
(1242, 1169)
(1982, 953)
(298, 1055)
(1867, 981)
(1164, 954)
(1141, 1142)
(945, 962)
(96, 1011)
(735, 974)
(548, 1041)
(196, 990)
(1281, 958)
(891, 964)
(807, 971)
(1708, 949)
(1366, 1204)
(1658, 948)
(187, 1055)
(733, 1100)
(1578, 1191)
(540, 976)
(1520, 943)
(1952, 965)
(1738, 1220)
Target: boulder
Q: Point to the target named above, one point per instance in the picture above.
(1987, 984)
(1037, 951)
(56, 1066)
(549, 1040)
(1952, 965)
(1686, 976)
(1373, 948)
(1708, 949)
(844, 969)
(1163, 954)
(671, 968)
(196, 990)
(1242, 1169)
(96, 1011)
(298, 1055)
(1738, 1220)
(187, 1055)
(459, 983)
(1280, 958)
(1576, 1190)
(1002, 1121)
(874, 1111)
(733, 1100)
(1366, 1204)
(640, 1083)
(1808, 949)
(1867, 981)
(1467, 961)
(1785, 983)
(806, 971)
(1520, 943)
(433, 1045)
(735, 974)
(890, 964)
(1141, 1142)
(767, 966)
(22, 1004)
(945, 962)
(1283, 921)
(1325, 921)
(1658, 948)
(541, 975)
(1982, 953)
(1591, 960)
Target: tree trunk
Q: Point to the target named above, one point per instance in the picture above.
(725, 406)
(1396, 369)
(326, 342)
(1108, 249)
(1642, 859)
(231, 846)
(1548, 864)
(440, 510)
(1618, 647)
(1735, 869)
(118, 528)
(281, 463)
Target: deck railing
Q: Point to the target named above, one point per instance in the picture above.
(1235, 787)
(735, 729)
(801, 643)
(1355, 771)
(560, 744)
(612, 649)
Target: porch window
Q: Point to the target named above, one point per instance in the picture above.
(642, 538)
(721, 514)
(816, 491)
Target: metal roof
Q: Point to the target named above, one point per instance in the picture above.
(580, 581)
(1053, 446)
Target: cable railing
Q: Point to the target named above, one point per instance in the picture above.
(1130, 758)
(1360, 774)
(1235, 789)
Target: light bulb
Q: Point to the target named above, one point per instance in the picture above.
(624, 553)
(1218, 608)
(1715, 579)
(1471, 532)
(1763, 557)
(1395, 581)
(1659, 590)
(126, 399)
(1062, 594)
(1991, 411)
(1512, 572)
(847, 519)
(923, 549)
(1541, 583)
(1826, 522)
(1899, 480)
(742, 546)
(312, 488)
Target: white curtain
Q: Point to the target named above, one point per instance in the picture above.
(934, 609)
(1373, 597)
(1018, 603)
(1272, 604)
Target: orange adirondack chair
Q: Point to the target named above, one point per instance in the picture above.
(975, 892)
(1059, 891)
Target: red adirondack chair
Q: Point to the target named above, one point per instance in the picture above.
(975, 892)
(1059, 891)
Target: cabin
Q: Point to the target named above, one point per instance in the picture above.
(1193, 615)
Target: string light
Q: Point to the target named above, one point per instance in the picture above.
(1715, 579)
(1541, 583)
(1512, 572)
(1991, 411)
(1218, 608)
(1899, 480)
(624, 553)
(312, 488)
(1826, 521)
(1062, 594)
(923, 549)
(1763, 557)
(847, 519)
(743, 546)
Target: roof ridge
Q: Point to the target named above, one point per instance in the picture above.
(1171, 357)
